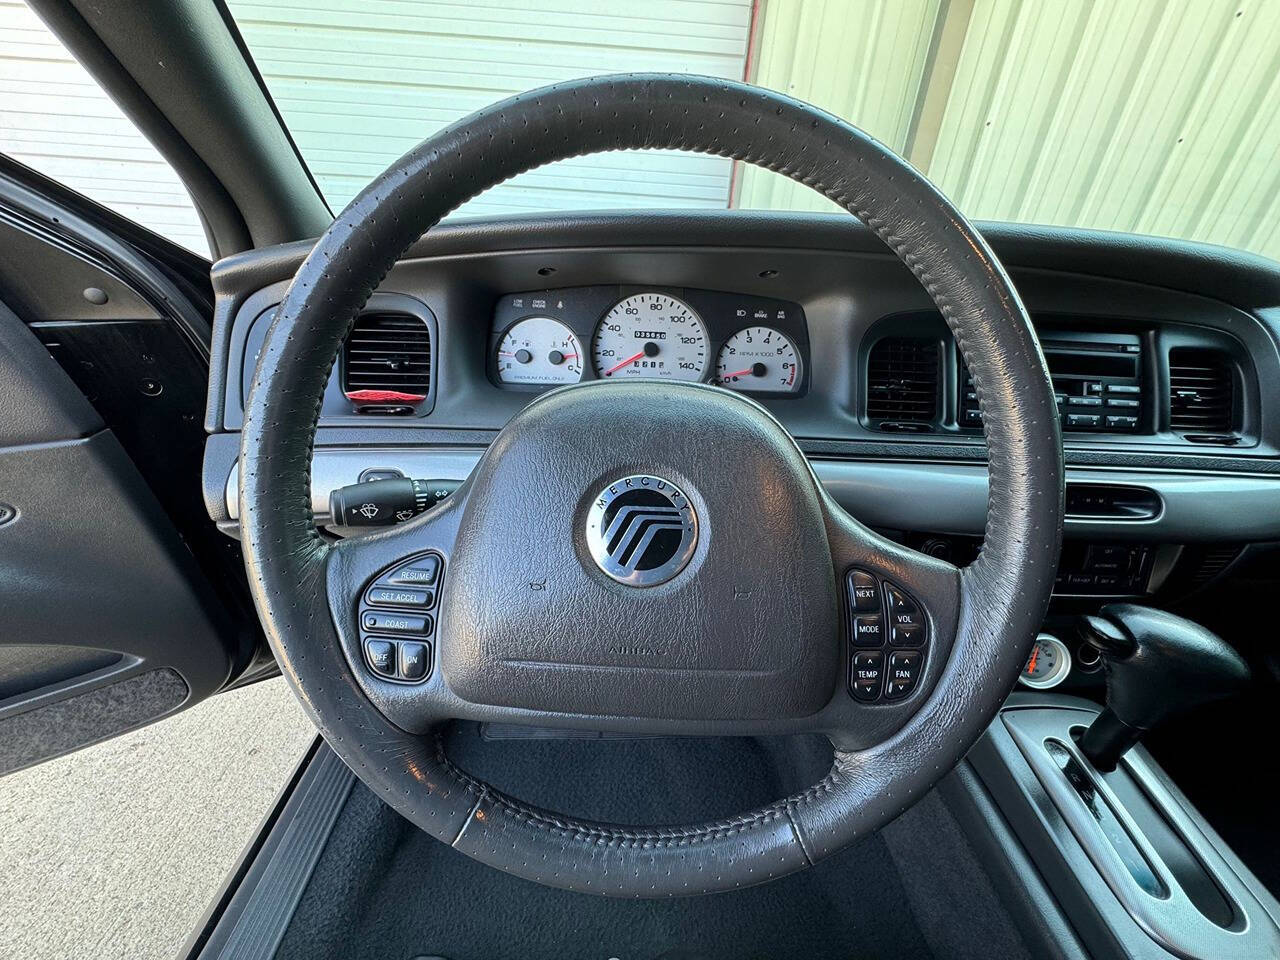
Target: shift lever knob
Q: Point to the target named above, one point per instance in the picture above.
(1156, 665)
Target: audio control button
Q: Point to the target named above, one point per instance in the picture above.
(864, 593)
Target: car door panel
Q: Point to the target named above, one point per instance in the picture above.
(109, 617)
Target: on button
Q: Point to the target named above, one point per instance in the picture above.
(413, 660)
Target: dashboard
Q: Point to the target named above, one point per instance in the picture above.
(1163, 356)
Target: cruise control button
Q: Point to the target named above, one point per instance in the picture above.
(400, 597)
(422, 571)
(413, 661)
(395, 623)
(864, 594)
(868, 631)
(865, 670)
(381, 655)
(904, 671)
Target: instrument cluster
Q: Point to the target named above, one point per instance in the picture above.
(549, 338)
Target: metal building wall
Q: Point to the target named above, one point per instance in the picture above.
(55, 119)
(1155, 116)
(1158, 116)
(361, 83)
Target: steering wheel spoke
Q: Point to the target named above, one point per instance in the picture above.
(384, 594)
(900, 612)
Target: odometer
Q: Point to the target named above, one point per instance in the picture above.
(651, 335)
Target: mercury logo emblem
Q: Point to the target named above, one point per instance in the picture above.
(641, 530)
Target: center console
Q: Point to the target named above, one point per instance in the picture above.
(1137, 870)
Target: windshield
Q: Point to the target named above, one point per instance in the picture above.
(1146, 116)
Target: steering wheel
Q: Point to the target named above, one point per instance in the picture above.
(600, 569)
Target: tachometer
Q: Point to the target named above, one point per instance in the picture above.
(651, 335)
(539, 350)
(759, 359)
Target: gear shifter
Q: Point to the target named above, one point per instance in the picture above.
(1156, 664)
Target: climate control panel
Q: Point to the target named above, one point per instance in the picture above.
(397, 619)
(888, 638)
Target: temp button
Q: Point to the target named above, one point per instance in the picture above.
(865, 672)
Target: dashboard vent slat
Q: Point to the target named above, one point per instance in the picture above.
(387, 360)
(902, 383)
(1213, 563)
(1201, 392)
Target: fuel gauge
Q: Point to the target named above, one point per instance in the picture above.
(539, 350)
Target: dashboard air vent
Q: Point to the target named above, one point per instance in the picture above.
(1201, 394)
(387, 362)
(902, 383)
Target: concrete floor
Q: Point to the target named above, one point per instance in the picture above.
(117, 851)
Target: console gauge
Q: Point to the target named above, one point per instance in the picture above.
(759, 359)
(539, 350)
(651, 335)
(1048, 665)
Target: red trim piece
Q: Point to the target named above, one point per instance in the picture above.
(363, 397)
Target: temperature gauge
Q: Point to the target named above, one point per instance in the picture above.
(539, 350)
(1048, 665)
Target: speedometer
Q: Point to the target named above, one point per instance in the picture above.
(651, 335)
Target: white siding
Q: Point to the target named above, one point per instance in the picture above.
(361, 83)
(55, 119)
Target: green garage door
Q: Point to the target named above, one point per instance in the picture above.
(359, 83)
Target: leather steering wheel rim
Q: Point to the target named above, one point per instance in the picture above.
(999, 600)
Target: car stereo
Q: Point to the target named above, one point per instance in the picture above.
(1097, 381)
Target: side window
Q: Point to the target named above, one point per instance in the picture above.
(55, 119)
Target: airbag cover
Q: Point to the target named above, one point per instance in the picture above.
(748, 629)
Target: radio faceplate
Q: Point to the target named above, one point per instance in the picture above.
(1097, 380)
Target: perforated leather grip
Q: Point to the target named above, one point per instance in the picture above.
(1004, 593)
